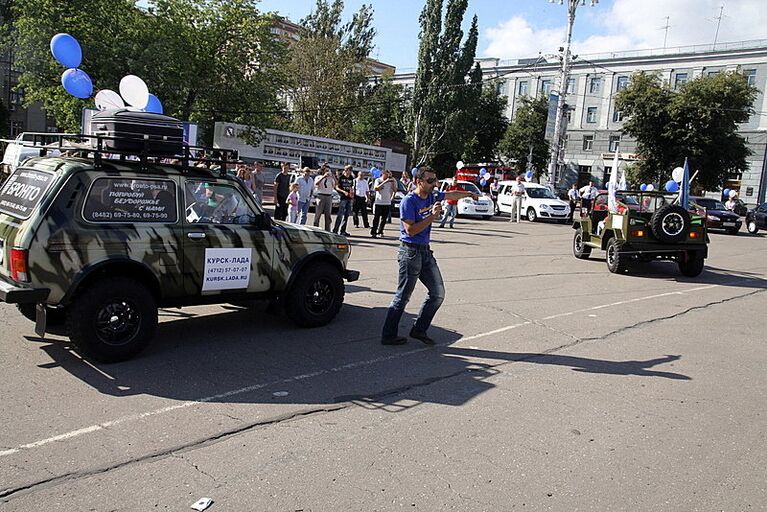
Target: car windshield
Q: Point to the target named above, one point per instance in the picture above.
(470, 187)
(628, 199)
(710, 204)
(540, 193)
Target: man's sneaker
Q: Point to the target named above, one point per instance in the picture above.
(397, 340)
(421, 336)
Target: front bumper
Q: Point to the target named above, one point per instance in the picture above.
(475, 209)
(724, 224)
(351, 275)
(19, 295)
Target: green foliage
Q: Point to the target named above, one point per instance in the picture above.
(698, 122)
(436, 121)
(328, 69)
(488, 127)
(205, 60)
(382, 113)
(528, 128)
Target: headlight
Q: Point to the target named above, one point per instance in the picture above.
(544, 207)
(712, 217)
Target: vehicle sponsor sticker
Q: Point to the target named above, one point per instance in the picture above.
(131, 200)
(23, 191)
(226, 269)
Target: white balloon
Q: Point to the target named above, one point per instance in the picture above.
(134, 91)
(733, 193)
(650, 188)
(107, 99)
(678, 174)
(459, 164)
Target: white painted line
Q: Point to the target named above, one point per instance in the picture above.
(296, 378)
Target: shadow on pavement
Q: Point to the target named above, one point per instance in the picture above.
(242, 355)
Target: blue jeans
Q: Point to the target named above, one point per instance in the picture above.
(303, 211)
(451, 210)
(415, 263)
(342, 217)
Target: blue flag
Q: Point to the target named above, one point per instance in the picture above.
(684, 190)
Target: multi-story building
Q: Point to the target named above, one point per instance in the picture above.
(298, 149)
(593, 128)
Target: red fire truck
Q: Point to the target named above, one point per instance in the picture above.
(474, 172)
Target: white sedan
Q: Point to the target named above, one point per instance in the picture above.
(539, 202)
(483, 207)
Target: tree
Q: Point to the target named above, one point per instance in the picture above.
(698, 122)
(205, 60)
(488, 126)
(328, 69)
(381, 114)
(439, 92)
(526, 130)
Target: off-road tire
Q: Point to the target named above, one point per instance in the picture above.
(670, 224)
(531, 215)
(56, 318)
(751, 227)
(617, 262)
(580, 250)
(693, 266)
(113, 319)
(316, 296)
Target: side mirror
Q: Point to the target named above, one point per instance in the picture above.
(262, 220)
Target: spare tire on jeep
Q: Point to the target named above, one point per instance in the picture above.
(670, 223)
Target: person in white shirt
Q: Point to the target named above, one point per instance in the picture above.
(517, 195)
(573, 196)
(384, 188)
(588, 194)
(361, 191)
(325, 183)
(305, 189)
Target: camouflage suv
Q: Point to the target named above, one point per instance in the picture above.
(645, 226)
(93, 247)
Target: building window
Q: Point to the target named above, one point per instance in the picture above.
(614, 143)
(623, 82)
(617, 116)
(595, 85)
(523, 87)
(503, 88)
(750, 75)
(546, 88)
(679, 80)
(584, 175)
(588, 142)
(17, 97)
(16, 128)
(712, 73)
(591, 115)
(569, 115)
(570, 85)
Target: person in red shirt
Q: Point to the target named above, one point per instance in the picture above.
(451, 207)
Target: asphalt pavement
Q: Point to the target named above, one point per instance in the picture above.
(554, 385)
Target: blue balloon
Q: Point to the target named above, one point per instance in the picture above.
(414, 171)
(483, 182)
(376, 173)
(154, 105)
(66, 50)
(726, 192)
(642, 187)
(77, 83)
(672, 186)
(529, 174)
(482, 170)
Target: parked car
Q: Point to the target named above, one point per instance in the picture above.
(718, 216)
(483, 207)
(539, 202)
(756, 219)
(92, 247)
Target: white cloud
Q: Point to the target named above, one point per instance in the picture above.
(633, 24)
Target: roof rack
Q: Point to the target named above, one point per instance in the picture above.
(95, 147)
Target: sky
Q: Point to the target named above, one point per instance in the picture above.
(512, 29)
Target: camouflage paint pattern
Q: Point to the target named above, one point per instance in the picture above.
(64, 247)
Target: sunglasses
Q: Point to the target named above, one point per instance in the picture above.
(430, 181)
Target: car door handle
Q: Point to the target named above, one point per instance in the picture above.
(195, 236)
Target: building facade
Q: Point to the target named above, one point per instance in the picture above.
(298, 149)
(594, 127)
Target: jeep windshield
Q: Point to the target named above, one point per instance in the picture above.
(540, 193)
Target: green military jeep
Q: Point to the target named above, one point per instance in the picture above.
(645, 226)
(92, 246)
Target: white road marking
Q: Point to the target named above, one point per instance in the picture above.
(296, 378)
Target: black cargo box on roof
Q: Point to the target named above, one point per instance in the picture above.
(128, 130)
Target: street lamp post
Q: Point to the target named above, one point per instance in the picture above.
(564, 75)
